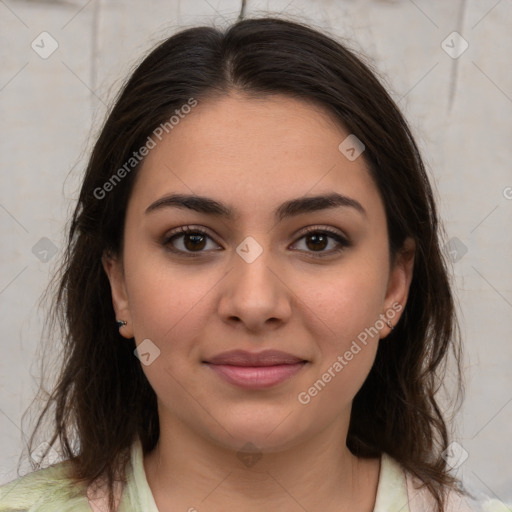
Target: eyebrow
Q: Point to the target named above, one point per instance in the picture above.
(289, 208)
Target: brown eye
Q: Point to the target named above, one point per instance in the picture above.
(316, 241)
(194, 242)
(186, 240)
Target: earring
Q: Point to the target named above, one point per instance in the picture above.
(121, 323)
(390, 325)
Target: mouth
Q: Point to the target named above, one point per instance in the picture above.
(255, 370)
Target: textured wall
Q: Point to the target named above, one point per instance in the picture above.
(459, 104)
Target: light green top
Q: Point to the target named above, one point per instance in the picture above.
(49, 490)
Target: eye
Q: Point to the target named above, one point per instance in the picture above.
(193, 241)
(316, 240)
(188, 240)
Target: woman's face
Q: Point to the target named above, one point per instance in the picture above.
(282, 271)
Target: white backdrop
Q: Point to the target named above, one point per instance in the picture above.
(54, 88)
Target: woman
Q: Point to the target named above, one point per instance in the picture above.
(257, 220)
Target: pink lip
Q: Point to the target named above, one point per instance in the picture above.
(255, 370)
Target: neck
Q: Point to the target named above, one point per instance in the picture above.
(187, 471)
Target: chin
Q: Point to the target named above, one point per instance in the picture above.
(259, 432)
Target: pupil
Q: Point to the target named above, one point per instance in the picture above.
(196, 241)
(319, 241)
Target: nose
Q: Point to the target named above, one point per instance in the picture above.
(254, 294)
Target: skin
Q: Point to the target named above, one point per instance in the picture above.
(253, 155)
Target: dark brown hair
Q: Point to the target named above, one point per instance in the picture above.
(102, 400)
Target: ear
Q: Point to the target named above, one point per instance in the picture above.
(399, 283)
(114, 269)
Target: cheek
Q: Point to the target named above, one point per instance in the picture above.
(348, 309)
(170, 307)
(349, 300)
(345, 324)
(169, 302)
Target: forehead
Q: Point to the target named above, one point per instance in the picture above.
(253, 152)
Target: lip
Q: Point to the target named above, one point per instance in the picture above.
(255, 370)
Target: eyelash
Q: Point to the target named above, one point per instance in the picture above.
(188, 230)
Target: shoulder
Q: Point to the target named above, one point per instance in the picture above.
(46, 490)
(420, 499)
(494, 505)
